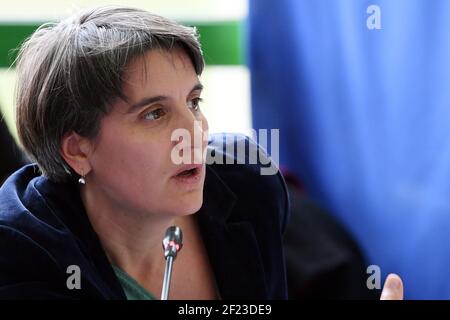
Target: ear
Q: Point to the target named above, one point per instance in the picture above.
(75, 149)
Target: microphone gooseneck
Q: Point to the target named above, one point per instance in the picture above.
(172, 244)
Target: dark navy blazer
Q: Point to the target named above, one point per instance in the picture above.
(44, 229)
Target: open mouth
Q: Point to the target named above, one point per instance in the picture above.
(186, 173)
(190, 177)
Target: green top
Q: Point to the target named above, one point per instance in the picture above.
(133, 290)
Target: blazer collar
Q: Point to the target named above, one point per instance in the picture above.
(230, 242)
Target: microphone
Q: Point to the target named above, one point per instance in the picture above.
(172, 244)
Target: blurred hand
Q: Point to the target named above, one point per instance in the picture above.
(393, 288)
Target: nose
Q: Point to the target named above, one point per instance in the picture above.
(192, 133)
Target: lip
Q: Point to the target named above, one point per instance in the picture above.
(188, 167)
(192, 181)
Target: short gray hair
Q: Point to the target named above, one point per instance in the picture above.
(70, 72)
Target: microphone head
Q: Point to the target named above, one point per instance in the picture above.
(172, 242)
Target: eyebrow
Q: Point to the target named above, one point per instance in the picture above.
(149, 100)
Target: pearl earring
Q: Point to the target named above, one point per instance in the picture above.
(82, 180)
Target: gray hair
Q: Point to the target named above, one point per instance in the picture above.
(70, 72)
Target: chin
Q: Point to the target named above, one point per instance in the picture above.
(189, 206)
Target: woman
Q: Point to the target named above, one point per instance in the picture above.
(99, 98)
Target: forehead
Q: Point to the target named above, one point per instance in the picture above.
(159, 71)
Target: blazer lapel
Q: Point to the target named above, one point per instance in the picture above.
(231, 244)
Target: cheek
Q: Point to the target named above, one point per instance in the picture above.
(133, 177)
(125, 160)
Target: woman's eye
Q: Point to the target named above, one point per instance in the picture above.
(194, 104)
(154, 114)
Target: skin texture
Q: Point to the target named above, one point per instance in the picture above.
(393, 288)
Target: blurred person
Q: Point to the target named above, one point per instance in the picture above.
(99, 97)
(323, 260)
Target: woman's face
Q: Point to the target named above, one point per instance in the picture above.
(131, 162)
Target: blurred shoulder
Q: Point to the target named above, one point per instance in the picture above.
(249, 172)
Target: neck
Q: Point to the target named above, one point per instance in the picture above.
(132, 241)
